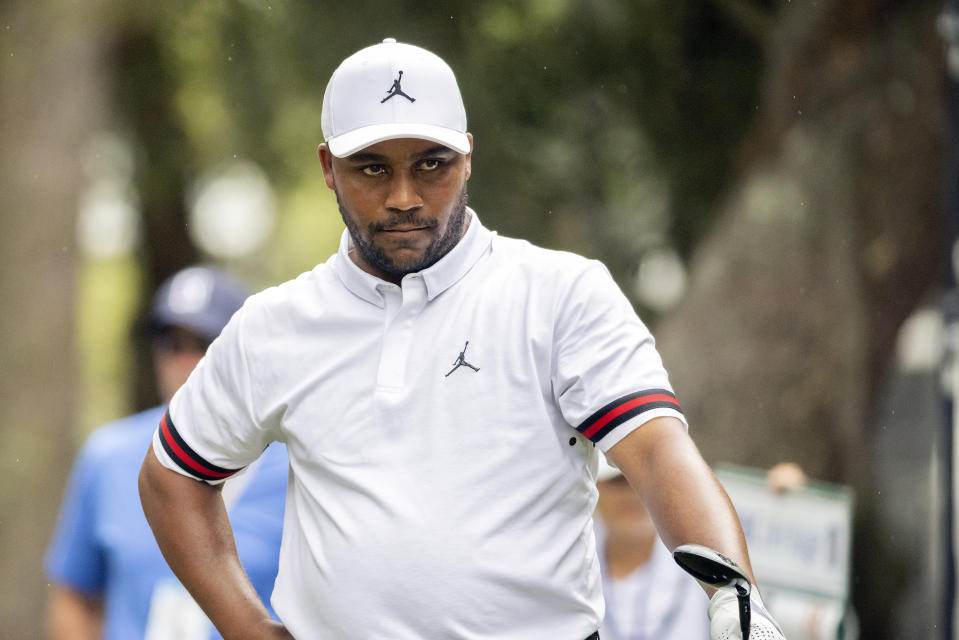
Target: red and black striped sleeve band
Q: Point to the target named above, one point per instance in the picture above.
(185, 457)
(619, 411)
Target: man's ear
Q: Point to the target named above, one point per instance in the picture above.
(469, 157)
(326, 161)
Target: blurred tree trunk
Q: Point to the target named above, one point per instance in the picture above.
(825, 243)
(145, 94)
(51, 89)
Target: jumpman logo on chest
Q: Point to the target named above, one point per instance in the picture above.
(461, 361)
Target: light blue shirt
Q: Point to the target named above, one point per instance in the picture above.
(103, 545)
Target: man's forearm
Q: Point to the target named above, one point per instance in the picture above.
(684, 498)
(192, 530)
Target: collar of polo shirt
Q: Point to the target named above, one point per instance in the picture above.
(438, 277)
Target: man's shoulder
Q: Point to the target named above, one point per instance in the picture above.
(302, 291)
(523, 251)
(554, 265)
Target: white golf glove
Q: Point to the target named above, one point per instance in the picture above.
(724, 618)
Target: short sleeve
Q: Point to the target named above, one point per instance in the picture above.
(608, 377)
(211, 429)
(74, 557)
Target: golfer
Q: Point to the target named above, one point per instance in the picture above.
(441, 391)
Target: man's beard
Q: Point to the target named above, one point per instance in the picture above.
(434, 251)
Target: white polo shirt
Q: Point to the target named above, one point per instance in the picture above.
(440, 437)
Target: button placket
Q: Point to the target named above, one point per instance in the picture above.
(398, 331)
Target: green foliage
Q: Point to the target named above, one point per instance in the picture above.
(553, 88)
(109, 289)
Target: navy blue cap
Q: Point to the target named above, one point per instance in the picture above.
(201, 299)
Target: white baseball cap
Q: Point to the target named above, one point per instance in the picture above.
(392, 90)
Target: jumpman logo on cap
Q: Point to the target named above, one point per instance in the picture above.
(461, 361)
(395, 90)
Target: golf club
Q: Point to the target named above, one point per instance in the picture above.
(715, 569)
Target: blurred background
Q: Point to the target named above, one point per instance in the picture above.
(772, 183)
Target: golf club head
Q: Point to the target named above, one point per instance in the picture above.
(715, 569)
(709, 566)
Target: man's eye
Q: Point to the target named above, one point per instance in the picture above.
(374, 170)
(430, 164)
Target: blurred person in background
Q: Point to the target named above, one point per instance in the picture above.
(786, 476)
(108, 577)
(648, 596)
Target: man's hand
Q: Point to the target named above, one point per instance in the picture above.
(73, 615)
(724, 618)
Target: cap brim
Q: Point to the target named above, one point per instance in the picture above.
(352, 141)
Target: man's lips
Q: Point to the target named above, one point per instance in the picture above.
(403, 229)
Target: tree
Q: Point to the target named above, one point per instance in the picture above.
(824, 243)
(52, 96)
(145, 92)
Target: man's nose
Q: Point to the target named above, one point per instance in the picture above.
(403, 194)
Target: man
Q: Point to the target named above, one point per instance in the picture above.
(108, 577)
(428, 498)
(648, 597)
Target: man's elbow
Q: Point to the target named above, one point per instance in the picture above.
(149, 481)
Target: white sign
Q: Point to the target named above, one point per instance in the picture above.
(799, 540)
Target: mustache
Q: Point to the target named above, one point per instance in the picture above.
(396, 219)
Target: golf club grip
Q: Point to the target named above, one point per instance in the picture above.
(745, 613)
